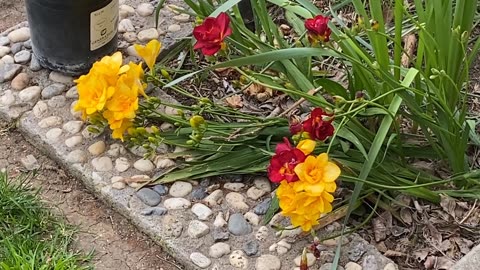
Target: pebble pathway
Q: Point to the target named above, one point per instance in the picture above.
(206, 224)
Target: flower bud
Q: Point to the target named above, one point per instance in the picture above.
(196, 121)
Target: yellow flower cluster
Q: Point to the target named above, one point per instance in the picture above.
(305, 200)
(112, 89)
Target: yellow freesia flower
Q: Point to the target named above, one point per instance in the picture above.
(118, 132)
(93, 93)
(317, 175)
(149, 52)
(306, 146)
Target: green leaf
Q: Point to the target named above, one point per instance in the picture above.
(224, 7)
(272, 210)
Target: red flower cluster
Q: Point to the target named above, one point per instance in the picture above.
(211, 33)
(317, 28)
(282, 165)
(316, 127)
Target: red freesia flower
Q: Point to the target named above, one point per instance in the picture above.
(211, 33)
(317, 28)
(317, 127)
(282, 165)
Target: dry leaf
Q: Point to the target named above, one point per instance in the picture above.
(448, 204)
(433, 234)
(430, 262)
(379, 229)
(234, 101)
(254, 89)
(443, 263)
(420, 254)
(463, 244)
(406, 216)
(392, 253)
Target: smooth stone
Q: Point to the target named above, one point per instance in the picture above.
(234, 186)
(328, 266)
(50, 122)
(8, 98)
(200, 260)
(57, 102)
(35, 64)
(390, 266)
(219, 220)
(215, 198)
(130, 37)
(75, 113)
(122, 164)
(176, 203)
(145, 9)
(218, 250)
(149, 197)
(160, 189)
(30, 94)
(53, 90)
(40, 109)
(60, 77)
(119, 185)
(53, 134)
(166, 127)
(154, 211)
(115, 179)
(7, 59)
(28, 44)
(252, 218)
(268, 262)
(132, 52)
(20, 81)
(147, 34)
(15, 48)
(262, 208)
(370, 263)
(116, 150)
(174, 28)
(310, 259)
(30, 163)
(199, 193)
(4, 41)
(126, 25)
(73, 141)
(172, 226)
(251, 248)
(73, 127)
(182, 18)
(236, 201)
(180, 189)
(238, 260)
(163, 163)
(102, 164)
(22, 57)
(262, 234)
(353, 266)
(263, 183)
(72, 93)
(77, 156)
(19, 35)
(126, 10)
(144, 165)
(202, 211)
(220, 234)
(97, 148)
(8, 71)
(4, 50)
(197, 229)
(238, 226)
(254, 193)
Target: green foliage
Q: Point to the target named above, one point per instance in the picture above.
(30, 237)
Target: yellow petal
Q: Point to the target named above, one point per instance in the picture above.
(331, 172)
(306, 146)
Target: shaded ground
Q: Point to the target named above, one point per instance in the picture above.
(12, 12)
(117, 244)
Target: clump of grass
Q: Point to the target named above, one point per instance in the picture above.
(31, 237)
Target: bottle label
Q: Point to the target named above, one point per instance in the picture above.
(103, 25)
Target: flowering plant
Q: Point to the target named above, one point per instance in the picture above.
(111, 90)
(317, 29)
(210, 35)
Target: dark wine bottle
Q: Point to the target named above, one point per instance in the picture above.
(70, 35)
